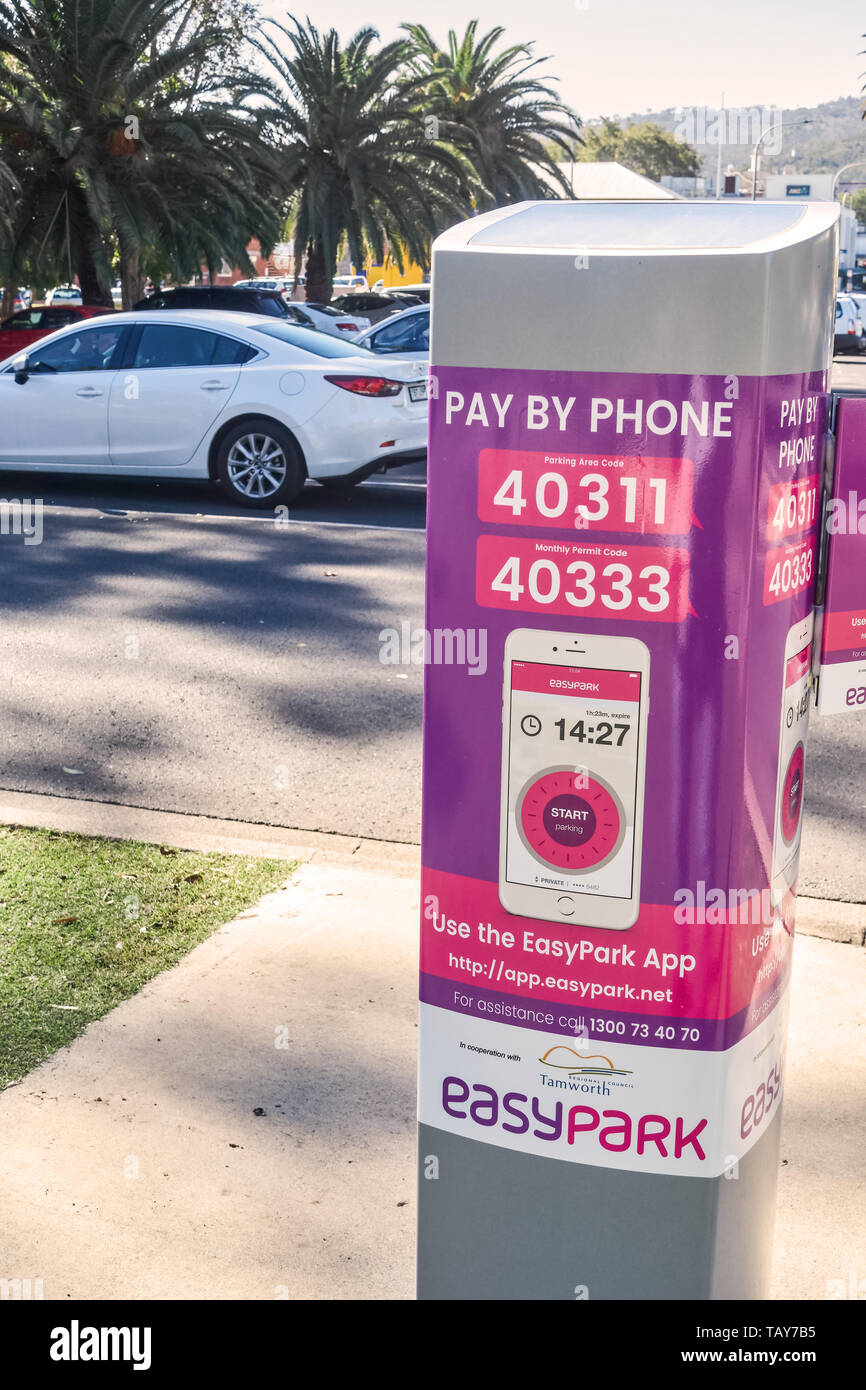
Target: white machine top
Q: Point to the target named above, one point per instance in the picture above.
(691, 225)
(727, 287)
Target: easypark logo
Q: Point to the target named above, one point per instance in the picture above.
(614, 1130)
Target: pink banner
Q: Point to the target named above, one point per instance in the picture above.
(575, 680)
(640, 583)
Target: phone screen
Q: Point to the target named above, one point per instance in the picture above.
(789, 791)
(573, 750)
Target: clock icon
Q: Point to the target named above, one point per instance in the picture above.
(570, 819)
(531, 724)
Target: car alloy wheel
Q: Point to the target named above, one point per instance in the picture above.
(257, 466)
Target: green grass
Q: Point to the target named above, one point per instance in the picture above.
(84, 923)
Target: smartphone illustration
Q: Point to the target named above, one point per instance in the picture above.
(796, 698)
(574, 722)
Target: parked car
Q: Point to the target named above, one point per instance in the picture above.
(860, 300)
(341, 283)
(421, 292)
(23, 298)
(256, 403)
(327, 319)
(848, 333)
(405, 335)
(28, 326)
(221, 297)
(64, 294)
(374, 306)
(283, 284)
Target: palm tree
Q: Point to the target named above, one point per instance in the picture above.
(355, 151)
(491, 109)
(114, 112)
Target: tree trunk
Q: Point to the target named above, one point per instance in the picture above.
(92, 279)
(320, 278)
(8, 305)
(132, 278)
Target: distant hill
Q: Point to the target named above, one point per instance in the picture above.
(836, 136)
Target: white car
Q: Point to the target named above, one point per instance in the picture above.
(327, 319)
(848, 333)
(64, 294)
(405, 335)
(859, 299)
(254, 403)
(343, 284)
(283, 283)
(420, 291)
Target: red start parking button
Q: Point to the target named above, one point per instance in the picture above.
(570, 819)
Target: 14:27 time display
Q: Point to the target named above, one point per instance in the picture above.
(593, 733)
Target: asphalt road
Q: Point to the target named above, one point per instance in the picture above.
(163, 648)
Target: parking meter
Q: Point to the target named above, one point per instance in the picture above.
(627, 424)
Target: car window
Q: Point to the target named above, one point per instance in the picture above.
(230, 352)
(274, 306)
(89, 350)
(320, 344)
(838, 309)
(24, 319)
(228, 299)
(58, 318)
(298, 316)
(404, 335)
(169, 345)
(177, 299)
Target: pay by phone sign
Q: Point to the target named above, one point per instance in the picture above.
(571, 528)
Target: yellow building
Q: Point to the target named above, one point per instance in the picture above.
(390, 274)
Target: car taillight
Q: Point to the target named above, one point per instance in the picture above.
(349, 327)
(852, 329)
(367, 385)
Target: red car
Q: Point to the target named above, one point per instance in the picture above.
(29, 325)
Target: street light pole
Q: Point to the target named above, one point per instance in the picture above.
(839, 172)
(784, 125)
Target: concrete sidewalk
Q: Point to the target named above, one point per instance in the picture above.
(244, 1127)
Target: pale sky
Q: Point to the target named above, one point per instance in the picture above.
(620, 56)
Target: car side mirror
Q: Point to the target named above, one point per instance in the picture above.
(21, 368)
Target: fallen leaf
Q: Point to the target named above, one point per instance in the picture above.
(63, 921)
(163, 849)
(193, 878)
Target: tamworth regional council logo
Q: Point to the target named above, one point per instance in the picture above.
(592, 1069)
